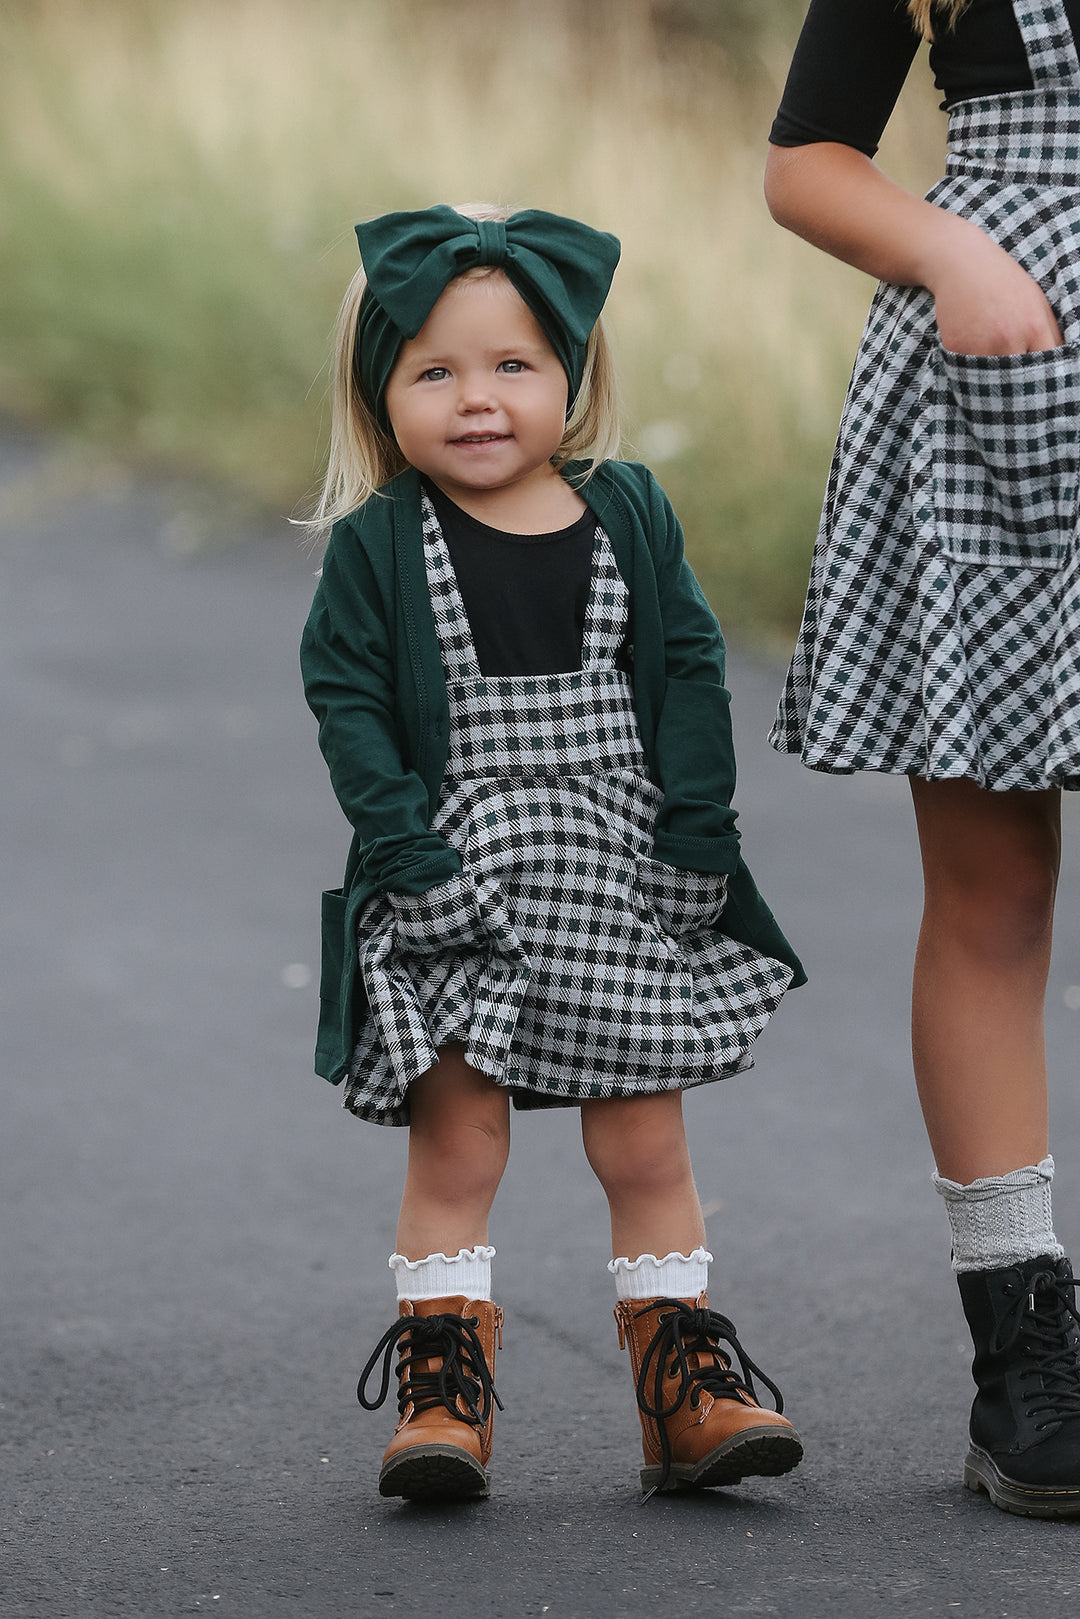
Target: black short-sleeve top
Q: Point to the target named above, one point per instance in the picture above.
(525, 595)
(853, 57)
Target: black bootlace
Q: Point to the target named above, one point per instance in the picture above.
(682, 1332)
(1045, 1314)
(463, 1372)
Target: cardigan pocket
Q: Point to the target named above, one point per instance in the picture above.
(328, 1047)
(1003, 436)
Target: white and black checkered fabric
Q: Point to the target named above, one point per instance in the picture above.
(567, 962)
(941, 636)
(1048, 40)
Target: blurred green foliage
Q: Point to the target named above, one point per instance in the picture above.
(178, 180)
(737, 26)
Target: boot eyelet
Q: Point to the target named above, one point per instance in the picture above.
(473, 1321)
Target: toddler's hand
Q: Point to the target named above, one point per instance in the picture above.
(447, 917)
(683, 902)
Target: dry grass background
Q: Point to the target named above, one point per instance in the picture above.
(179, 178)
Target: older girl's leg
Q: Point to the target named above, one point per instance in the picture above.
(990, 865)
(990, 862)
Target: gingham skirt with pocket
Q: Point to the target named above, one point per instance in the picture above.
(566, 961)
(941, 636)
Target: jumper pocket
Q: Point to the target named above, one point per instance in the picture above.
(681, 902)
(1004, 438)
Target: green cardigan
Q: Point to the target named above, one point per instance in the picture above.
(374, 678)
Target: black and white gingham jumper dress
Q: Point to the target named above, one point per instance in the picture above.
(568, 963)
(941, 636)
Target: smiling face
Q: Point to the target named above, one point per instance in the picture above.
(477, 400)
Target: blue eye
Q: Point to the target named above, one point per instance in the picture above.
(435, 374)
(512, 366)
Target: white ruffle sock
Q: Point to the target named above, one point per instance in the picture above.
(1001, 1220)
(443, 1276)
(676, 1276)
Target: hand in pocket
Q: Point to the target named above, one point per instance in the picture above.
(447, 917)
(984, 300)
(683, 902)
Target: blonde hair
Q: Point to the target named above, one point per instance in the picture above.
(921, 9)
(363, 456)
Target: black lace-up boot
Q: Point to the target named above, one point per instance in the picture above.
(1025, 1423)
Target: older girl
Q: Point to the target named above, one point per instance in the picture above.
(941, 638)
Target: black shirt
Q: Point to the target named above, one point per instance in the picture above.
(853, 57)
(525, 595)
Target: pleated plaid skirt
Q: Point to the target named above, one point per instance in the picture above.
(941, 636)
(566, 961)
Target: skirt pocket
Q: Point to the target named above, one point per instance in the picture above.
(1003, 432)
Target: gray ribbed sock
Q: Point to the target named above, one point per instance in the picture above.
(1001, 1220)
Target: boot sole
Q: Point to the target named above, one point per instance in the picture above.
(757, 1452)
(1026, 1500)
(435, 1473)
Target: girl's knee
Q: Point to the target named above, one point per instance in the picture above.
(637, 1148)
(459, 1159)
(990, 863)
(1004, 912)
(460, 1129)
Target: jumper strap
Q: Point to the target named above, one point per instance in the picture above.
(1048, 40)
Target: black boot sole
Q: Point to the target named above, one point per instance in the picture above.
(1026, 1500)
(756, 1452)
(435, 1473)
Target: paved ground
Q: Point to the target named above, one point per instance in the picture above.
(193, 1235)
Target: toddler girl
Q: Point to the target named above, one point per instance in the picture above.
(941, 638)
(520, 697)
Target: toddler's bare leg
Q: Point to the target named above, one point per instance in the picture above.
(459, 1141)
(701, 1424)
(637, 1148)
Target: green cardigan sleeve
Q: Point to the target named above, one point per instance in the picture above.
(349, 666)
(679, 651)
(694, 752)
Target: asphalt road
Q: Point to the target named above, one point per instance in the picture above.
(193, 1235)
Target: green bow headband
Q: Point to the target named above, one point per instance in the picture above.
(561, 268)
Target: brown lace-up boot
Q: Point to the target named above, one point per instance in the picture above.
(701, 1422)
(446, 1397)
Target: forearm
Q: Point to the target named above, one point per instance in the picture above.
(837, 199)
(349, 687)
(840, 201)
(695, 758)
(383, 798)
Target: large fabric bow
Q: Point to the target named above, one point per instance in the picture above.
(561, 268)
